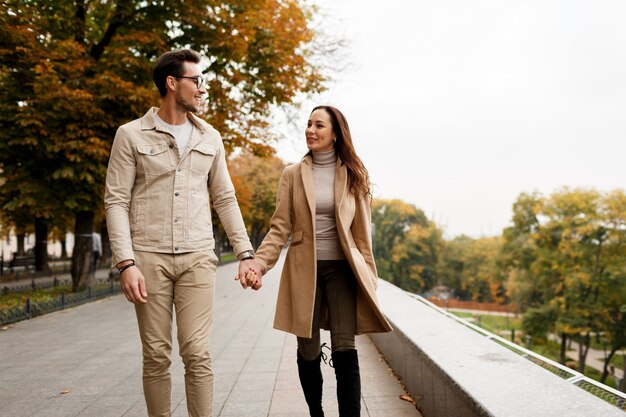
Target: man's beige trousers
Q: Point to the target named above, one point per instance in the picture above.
(184, 282)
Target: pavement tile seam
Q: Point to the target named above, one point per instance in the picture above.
(245, 349)
(232, 399)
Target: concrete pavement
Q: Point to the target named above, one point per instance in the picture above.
(86, 361)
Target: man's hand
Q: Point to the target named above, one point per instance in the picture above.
(249, 274)
(134, 285)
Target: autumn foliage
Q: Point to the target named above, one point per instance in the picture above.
(256, 181)
(71, 72)
(561, 263)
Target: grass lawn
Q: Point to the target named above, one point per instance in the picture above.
(493, 323)
(549, 349)
(227, 257)
(12, 300)
(19, 299)
(618, 361)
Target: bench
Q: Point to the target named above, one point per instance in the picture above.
(27, 261)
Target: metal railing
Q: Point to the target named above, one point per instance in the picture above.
(608, 394)
(101, 289)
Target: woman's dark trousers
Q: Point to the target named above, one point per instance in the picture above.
(336, 288)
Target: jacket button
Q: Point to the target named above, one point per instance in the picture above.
(151, 151)
(176, 248)
(176, 194)
(171, 145)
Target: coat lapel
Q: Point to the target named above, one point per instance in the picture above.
(306, 168)
(341, 183)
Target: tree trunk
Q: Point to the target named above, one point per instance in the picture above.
(563, 352)
(622, 385)
(41, 245)
(63, 248)
(218, 242)
(105, 258)
(605, 369)
(82, 256)
(20, 244)
(583, 348)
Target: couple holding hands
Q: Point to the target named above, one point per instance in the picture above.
(163, 168)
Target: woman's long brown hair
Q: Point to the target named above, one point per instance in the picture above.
(358, 178)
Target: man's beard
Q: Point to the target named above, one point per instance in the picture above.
(190, 107)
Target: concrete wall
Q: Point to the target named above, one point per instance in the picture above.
(450, 370)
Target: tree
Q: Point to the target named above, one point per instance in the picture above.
(256, 181)
(565, 253)
(613, 214)
(71, 72)
(470, 268)
(539, 321)
(415, 258)
(406, 244)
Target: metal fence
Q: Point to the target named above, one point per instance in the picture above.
(608, 394)
(101, 289)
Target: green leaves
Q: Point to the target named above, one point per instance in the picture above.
(567, 251)
(406, 245)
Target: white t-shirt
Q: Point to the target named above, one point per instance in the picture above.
(182, 133)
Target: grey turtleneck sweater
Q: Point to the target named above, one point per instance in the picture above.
(328, 246)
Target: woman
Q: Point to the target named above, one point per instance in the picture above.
(329, 278)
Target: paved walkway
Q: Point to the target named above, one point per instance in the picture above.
(595, 359)
(86, 361)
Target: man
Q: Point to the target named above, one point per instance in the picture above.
(97, 250)
(162, 170)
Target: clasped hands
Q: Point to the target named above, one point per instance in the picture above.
(250, 274)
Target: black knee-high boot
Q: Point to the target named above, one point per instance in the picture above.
(346, 365)
(311, 380)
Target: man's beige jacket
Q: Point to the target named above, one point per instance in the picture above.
(157, 198)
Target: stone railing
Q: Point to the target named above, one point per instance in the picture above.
(453, 370)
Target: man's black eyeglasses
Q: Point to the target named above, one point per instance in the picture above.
(199, 80)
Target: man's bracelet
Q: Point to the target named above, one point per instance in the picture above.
(125, 267)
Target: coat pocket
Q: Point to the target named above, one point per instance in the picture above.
(297, 238)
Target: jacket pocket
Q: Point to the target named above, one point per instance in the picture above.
(138, 219)
(202, 157)
(153, 159)
(297, 238)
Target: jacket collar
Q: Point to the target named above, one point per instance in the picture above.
(148, 122)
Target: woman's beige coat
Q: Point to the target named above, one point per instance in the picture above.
(295, 216)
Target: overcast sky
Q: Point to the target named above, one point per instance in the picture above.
(458, 106)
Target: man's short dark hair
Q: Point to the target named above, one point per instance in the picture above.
(172, 63)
